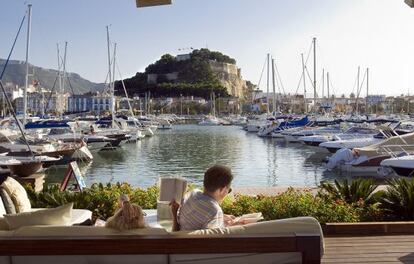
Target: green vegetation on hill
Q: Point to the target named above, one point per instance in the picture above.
(194, 76)
(16, 73)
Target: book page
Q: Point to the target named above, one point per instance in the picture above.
(250, 218)
(172, 188)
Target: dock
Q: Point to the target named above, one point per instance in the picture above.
(369, 249)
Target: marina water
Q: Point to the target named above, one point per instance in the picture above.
(188, 150)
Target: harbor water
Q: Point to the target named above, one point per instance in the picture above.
(188, 150)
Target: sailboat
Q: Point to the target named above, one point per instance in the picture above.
(18, 165)
(211, 120)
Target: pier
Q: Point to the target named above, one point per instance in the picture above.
(369, 249)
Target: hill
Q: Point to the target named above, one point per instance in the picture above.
(16, 72)
(173, 76)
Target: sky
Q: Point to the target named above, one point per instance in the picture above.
(374, 34)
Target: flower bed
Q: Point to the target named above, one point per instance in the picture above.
(335, 202)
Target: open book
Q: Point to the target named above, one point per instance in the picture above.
(249, 218)
(172, 188)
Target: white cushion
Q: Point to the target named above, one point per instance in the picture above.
(78, 215)
(18, 195)
(60, 216)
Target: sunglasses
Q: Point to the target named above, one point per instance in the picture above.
(229, 191)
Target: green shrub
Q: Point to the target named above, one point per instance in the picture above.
(292, 204)
(101, 199)
(357, 190)
(398, 200)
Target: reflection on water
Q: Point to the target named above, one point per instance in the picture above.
(188, 150)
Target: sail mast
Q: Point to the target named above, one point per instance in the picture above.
(357, 95)
(274, 87)
(366, 99)
(314, 73)
(29, 22)
(267, 84)
(304, 84)
(113, 89)
(62, 92)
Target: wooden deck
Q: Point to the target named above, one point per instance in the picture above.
(369, 249)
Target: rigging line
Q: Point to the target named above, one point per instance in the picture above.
(12, 48)
(355, 83)
(51, 92)
(362, 83)
(125, 90)
(280, 79)
(322, 60)
(15, 117)
(300, 80)
(70, 84)
(309, 52)
(261, 75)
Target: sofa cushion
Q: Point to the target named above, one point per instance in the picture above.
(84, 231)
(7, 202)
(52, 216)
(18, 195)
(303, 225)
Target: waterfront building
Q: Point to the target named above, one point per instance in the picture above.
(42, 102)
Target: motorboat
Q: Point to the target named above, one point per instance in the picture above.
(402, 166)
(25, 166)
(368, 159)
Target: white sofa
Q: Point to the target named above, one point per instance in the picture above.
(239, 244)
(293, 240)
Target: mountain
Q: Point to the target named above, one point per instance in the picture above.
(16, 73)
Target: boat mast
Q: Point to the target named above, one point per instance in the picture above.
(304, 84)
(366, 99)
(323, 82)
(357, 95)
(62, 92)
(267, 84)
(113, 88)
(109, 70)
(29, 22)
(274, 87)
(314, 73)
(327, 80)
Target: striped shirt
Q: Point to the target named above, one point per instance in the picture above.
(200, 211)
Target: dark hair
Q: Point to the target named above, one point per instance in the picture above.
(217, 177)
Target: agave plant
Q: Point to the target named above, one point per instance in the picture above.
(399, 199)
(360, 189)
